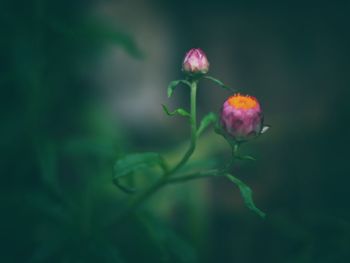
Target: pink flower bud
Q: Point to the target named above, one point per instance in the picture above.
(241, 117)
(195, 62)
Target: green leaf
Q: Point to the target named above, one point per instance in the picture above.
(206, 121)
(136, 161)
(179, 111)
(220, 83)
(133, 162)
(247, 195)
(124, 188)
(172, 86)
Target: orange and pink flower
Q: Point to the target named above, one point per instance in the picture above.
(241, 117)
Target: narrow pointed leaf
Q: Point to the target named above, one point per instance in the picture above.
(133, 162)
(220, 83)
(124, 188)
(206, 121)
(173, 85)
(136, 161)
(247, 195)
(178, 111)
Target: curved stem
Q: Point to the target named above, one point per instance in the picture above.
(193, 122)
(134, 203)
(197, 175)
(139, 199)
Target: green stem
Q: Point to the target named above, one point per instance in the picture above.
(193, 122)
(197, 175)
(235, 148)
(139, 199)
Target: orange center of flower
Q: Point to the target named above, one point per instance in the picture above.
(242, 102)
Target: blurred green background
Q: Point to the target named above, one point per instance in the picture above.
(82, 83)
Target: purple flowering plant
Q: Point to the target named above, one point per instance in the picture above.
(240, 120)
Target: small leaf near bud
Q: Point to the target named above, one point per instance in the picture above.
(179, 111)
(220, 83)
(173, 85)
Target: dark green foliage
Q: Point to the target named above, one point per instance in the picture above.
(57, 147)
(137, 161)
(133, 163)
(247, 194)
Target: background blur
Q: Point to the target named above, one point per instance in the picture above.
(82, 84)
